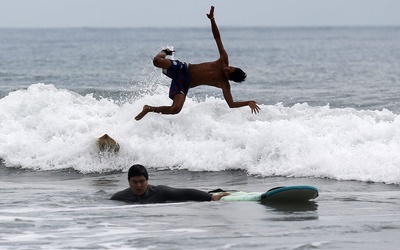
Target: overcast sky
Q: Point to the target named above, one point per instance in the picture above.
(191, 13)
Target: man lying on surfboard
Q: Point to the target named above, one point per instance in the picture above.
(185, 76)
(141, 192)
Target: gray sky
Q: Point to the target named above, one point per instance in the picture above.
(191, 13)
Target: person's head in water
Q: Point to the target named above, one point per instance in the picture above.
(235, 74)
(138, 177)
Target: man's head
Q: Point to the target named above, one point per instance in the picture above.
(138, 177)
(235, 74)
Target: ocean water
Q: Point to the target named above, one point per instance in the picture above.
(330, 117)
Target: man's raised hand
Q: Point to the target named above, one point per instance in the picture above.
(211, 15)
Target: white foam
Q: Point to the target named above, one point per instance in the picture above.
(46, 128)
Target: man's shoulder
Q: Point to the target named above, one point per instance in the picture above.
(125, 191)
(121, 194)
(162, 189)
(159, 187)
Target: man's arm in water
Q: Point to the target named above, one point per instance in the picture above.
(188, 194)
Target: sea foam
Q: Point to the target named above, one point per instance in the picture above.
(45, 128)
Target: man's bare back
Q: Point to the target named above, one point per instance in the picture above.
(208, 73)
(217, 74)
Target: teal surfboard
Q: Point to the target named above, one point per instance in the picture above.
(290, 194)
(278, 194)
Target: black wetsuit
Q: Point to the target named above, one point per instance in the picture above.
(160, 194)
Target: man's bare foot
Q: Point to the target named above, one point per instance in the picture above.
(144, 112)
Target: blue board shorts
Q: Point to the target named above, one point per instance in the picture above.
(179, 73)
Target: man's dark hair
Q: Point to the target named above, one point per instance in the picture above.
(138, 170)
(238, 75)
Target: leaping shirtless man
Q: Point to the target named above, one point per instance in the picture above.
(185, 76)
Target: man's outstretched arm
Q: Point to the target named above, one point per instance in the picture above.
(217, 35)
(189, 194)
(226, 90)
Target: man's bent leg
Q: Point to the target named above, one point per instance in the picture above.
(177, 104)
(160, 61)
(146, 109)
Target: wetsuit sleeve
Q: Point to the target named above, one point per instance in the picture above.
(124, 195)
(184, 194)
